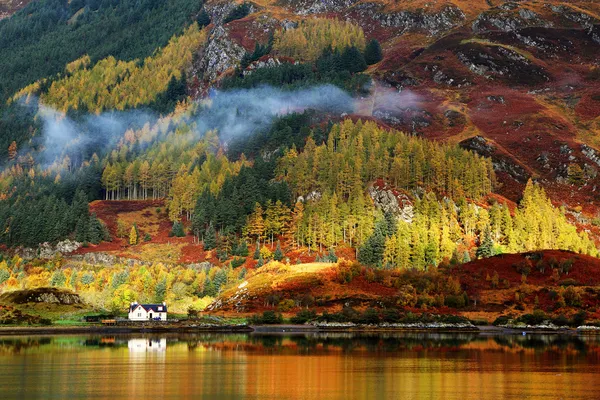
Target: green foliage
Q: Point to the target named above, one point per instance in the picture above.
(239, 12)
(371, 253)
(43, 37)
(278, 255)
(119, 278)
(160, 291)
(267, 318)
(58, 278)
(237, 262)
(296, 76)
(4, 275)
(486, 249)
(373, 53)
(303, 316)
(352, 60)
(203, 18)
(177, 229)
(210, 238)
(241, 249)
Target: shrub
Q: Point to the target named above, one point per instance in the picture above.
(572, 297)
(455, 301)
(536, 318)
(501, 320)
(286, 305)
(561, 320)
(391, 315)
(192, 312)
(523, 267)
(370, 316)
(303, 317)
(566, 265)
(147, 237)
(579, 318)
(267, 318)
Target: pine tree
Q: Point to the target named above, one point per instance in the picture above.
(242, 249)
(373, 53)
(177, 229)
(278, 255)
(257, 251)
(203, 18)
(371, 253)
(353, 60)
(210, 238)
(486, 249)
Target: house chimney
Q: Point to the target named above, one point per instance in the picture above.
(164, 303)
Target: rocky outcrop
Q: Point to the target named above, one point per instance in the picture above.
(497, 62)
(591, 154)
(500, 162)
(48, 250)
(389, 200)
(506, 19)
(588, 22)
(220, 54)
(307, 7)
(433, 23)
(41, 295)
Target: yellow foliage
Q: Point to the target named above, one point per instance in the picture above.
(311, 37)
(114, 84)
(133, 239)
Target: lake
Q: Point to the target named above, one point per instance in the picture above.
(303, 366)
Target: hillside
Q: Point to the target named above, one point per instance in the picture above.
(167, 150)
(556, 283)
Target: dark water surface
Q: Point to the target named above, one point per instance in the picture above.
(314, 366)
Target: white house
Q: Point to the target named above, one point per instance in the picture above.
(147, 312)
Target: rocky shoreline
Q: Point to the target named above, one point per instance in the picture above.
(306, 328)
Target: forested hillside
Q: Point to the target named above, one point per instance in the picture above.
(230, 135)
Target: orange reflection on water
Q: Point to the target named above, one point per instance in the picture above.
(329, 367)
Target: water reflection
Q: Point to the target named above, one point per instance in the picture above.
(301, 366)
(305, 343)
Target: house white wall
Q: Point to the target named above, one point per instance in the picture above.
(140, 314)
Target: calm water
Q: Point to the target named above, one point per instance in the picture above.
(331, 366)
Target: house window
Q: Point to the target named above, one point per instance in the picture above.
(159, 308)
(139, 314)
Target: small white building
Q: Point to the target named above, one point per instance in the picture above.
(148, 312)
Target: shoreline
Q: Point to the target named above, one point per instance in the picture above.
(268, 329)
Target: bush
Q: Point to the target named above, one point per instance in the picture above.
(391, 315)
(455, 301)
(572, 297)
(370, 316)
(147, 237)
(523, 267)
(579, 318)
(561, 320)
(286, 305)
(267, 318)
(536, 318)
(566, 266)
(192, 312)
(303, 317)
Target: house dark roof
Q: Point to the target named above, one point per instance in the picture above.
(150, 307)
